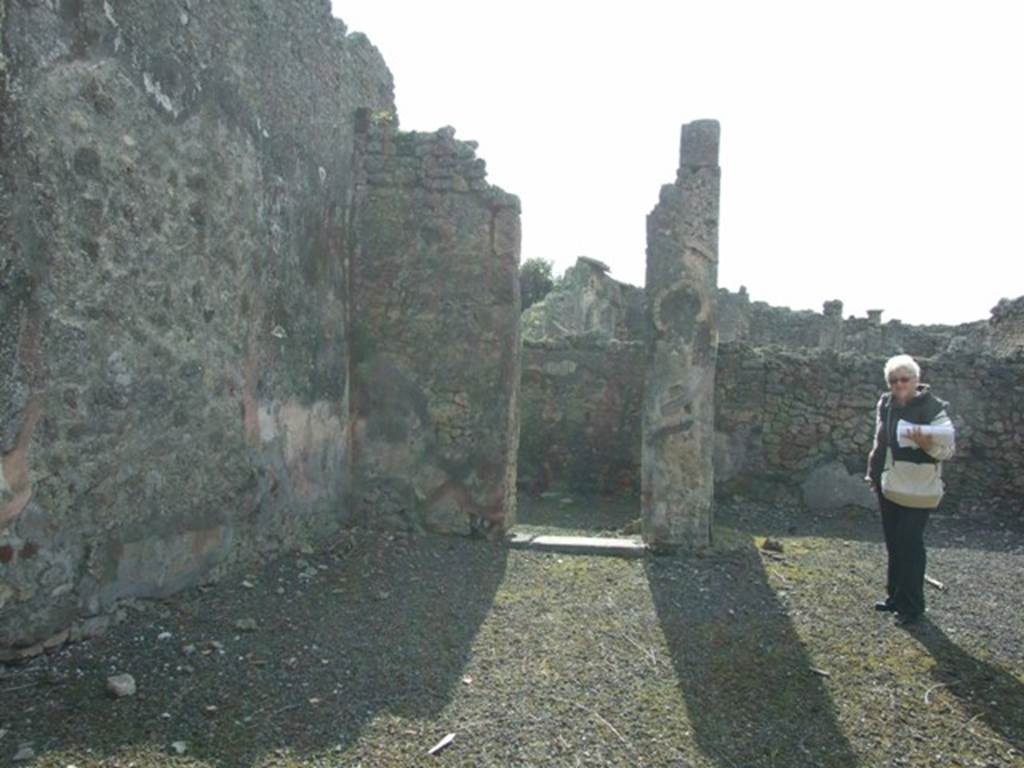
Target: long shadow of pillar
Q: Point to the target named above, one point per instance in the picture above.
(984, 690)
(751, 694)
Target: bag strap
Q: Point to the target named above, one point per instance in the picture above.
(890, 459)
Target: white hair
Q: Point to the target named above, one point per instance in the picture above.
(902, 363)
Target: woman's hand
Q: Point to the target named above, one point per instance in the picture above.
(923, 441)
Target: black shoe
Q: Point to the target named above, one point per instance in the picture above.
(886, 605)
(906, 619)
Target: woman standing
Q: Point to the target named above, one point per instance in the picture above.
(913, 435)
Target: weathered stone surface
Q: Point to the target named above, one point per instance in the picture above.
(1006, 327)
(762, 325)
(25, 754)
(436, 346)
(678, 415)
(580, 416)
(579, 545)
(832, 486)
(782, 412)
(173, 311)
(586, 303)
(120, 686)
(791, 413)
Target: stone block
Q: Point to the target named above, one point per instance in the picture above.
(830, 486)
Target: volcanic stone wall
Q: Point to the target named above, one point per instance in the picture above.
(580, 404)
(791, 424)
(760, 325)
(435, 329)
(1006, 325)
(793, 416)
(173, 363)
(587, 303)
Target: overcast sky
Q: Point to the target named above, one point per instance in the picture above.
(871, 151)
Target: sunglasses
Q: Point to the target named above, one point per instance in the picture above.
(900, 380)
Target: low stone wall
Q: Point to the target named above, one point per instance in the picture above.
(787, 423)
(762, 325)
(790, 426)
(580, 426)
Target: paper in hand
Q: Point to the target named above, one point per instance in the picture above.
(941, 433)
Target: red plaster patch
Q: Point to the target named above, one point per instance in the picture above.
(15, 463)
(6, 553)
(250, 415)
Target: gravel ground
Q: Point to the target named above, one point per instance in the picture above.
(368, 653)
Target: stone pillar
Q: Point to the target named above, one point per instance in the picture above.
(679, 396)
(831, 333)
(873, 341)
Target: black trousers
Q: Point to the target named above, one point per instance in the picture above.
(904, 541)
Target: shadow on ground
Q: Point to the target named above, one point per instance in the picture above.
(582, 515)
(985, 691)
(383, 630)
(861, 524)
(747, 680)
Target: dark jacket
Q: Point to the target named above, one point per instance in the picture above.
(923, 408)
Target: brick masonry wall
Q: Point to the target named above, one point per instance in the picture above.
(435, 335)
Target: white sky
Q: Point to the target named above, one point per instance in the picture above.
(871, 151)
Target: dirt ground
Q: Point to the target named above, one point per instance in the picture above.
(370, 651)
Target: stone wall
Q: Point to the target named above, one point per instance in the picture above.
(587, 302)
(760, 325)
(435, 328)
(798, 426)
(582, 385)
(791, 426)
(794, 416)
(173, 363)
(1006, 325)
(580, 425)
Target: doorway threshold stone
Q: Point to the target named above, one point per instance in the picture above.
(578, 545)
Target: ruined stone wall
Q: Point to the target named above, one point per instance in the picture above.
(790, 426)
(587, 302)
(760, 325)
(793, 420)
(1007, 327)
(173, 355)
(435, 335)
(799, 426)
(580, 428)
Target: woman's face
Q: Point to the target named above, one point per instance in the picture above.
(902, 384)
